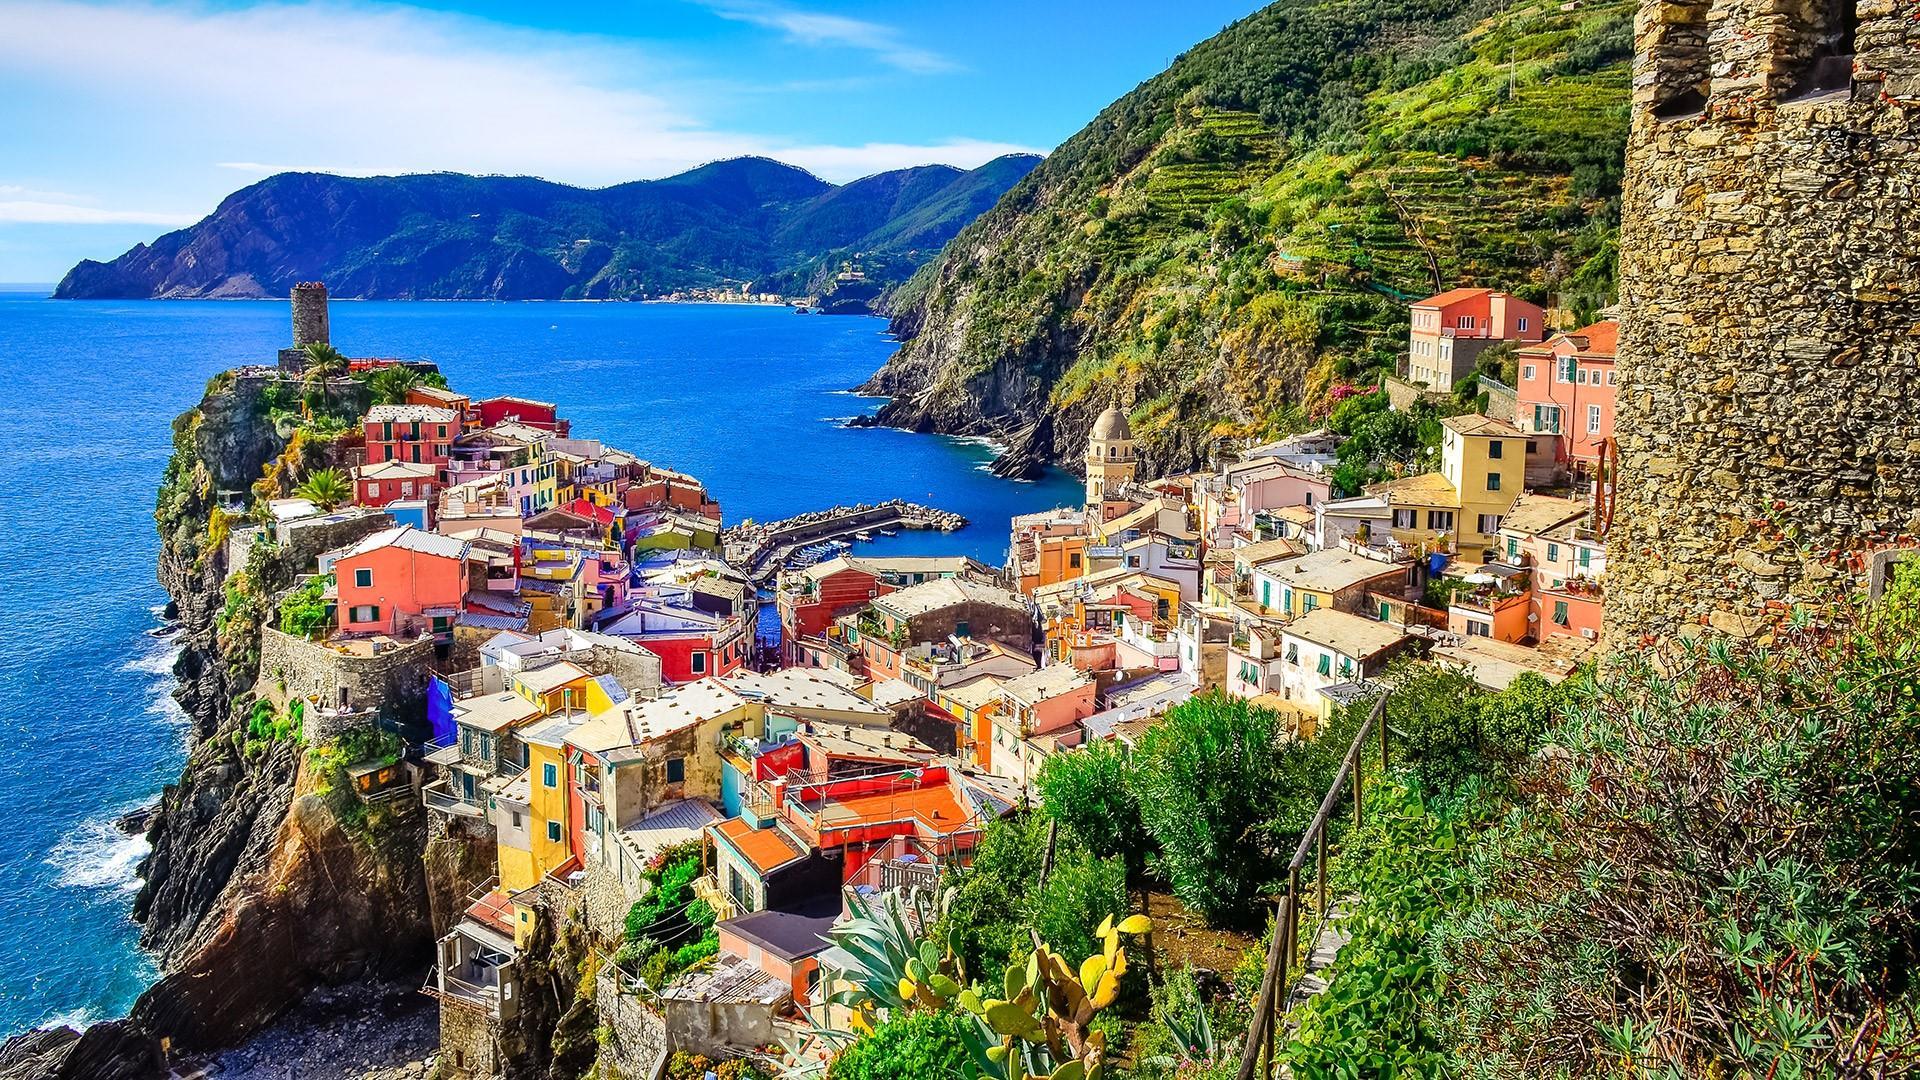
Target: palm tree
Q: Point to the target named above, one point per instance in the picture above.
(325, 488)
(391, 385)
(322, 361)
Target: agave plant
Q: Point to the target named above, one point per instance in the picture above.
(1035, 1022)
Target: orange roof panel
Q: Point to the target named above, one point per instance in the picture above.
(766, 849)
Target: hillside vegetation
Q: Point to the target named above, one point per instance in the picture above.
(450, 236)
(1223, 245)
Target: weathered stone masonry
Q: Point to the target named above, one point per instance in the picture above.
(1770, 287)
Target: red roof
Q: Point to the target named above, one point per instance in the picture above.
(767, 849)
(1451, 296)
(588, 509)
(1603, 337)
(494, 910)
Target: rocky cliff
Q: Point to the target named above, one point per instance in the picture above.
(1228, 243)
(449, 237)
(267, 876)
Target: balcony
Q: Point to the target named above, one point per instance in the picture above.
(439, 796)
(442, 752)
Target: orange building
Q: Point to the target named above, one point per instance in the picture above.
(401, 582)
(1448, 332)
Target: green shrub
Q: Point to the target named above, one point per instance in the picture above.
(1090, 793)
(921, 1043)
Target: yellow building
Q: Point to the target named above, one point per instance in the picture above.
(1482, 471)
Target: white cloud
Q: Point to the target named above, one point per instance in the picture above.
(366, 88)
(31, 212)
(818, 28)
(25, 205)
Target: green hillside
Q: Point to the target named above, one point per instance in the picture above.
(1220, 247)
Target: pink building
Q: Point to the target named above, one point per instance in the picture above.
(1566, 391)
(414, 434)
(402, 582)
(1448, 332)
(1552, 539)
(395, 481)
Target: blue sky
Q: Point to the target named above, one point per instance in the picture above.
(120, 121)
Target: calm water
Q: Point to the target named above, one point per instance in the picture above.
(751, 399)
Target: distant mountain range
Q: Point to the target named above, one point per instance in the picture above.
(449, 236)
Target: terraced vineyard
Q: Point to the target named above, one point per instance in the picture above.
(1226, 245)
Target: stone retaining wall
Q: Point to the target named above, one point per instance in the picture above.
(636, 1044)
(391, 684)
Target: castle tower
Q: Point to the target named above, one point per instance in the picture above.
(310, 315)
(1770, 294)
(310, 326)
(1110, 461)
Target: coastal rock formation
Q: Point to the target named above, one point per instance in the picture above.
(265, 879)
(1224, 247)
(1770, 298)
(446, 236)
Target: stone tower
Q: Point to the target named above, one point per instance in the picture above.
(1770, 294)
(1110, 461)
(310, 315)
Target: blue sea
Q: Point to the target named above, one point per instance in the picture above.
(751, 399)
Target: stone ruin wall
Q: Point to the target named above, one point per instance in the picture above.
(1770, 287)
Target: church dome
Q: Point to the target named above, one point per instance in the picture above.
(1112, 426)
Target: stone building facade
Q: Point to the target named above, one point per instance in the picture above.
(1770, 287)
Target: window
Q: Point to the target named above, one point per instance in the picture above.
(676, 770)
(1346, 667)
(1580, 376)
(553, 830)
(1553, 552)
(699, 662)
(1546, 418)
(1527, 372)
(1493, 481)
(516, 819)
(373, 491)
(1609, 378)
(1568, 365)
(1465, 322)
(1439, 520)
(1308, 602)
(363, 577)
(1560, 613)
(406, 489)
(1593, 419)
(1073, 561)
(1386, 610)
(1266, 594)
(1490, 524)
(1496, 449)
(1523, 324)
(1475, 628)
(364, 613)
(1326, 664)
(1293, 651)
(1513, 547)
(1405, 519)
(549, 775)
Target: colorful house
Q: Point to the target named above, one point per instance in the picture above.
(1447, 333)
(414, 434)
(1565, 390)
(691, 644)
(1325, 648)
(402, 582)
(543, 415)
(395, 481)
(1333, 579)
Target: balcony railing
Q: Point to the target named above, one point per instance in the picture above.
(439, 796)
